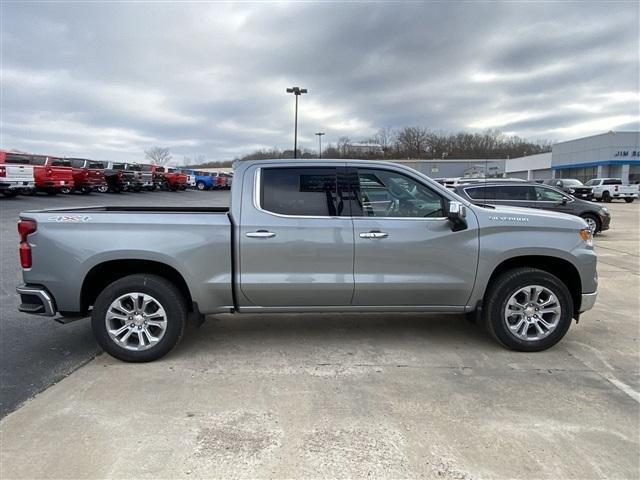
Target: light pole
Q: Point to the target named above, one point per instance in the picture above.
(297, 91)
(319, 134)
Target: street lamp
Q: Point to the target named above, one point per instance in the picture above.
(297, 91)
(319, 134)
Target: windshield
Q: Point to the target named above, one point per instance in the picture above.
(593, 182)
(572, 183)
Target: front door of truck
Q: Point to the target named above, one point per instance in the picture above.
(405, 251)
(296, 238)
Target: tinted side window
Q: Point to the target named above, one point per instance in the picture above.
(514, 192)
(548, 195)
(481, 193)
(60, 163)
(98, 165)
(300, 191)
(612, 181)
(77, 163)
(384, 193)
(17, 159)
(37, 160)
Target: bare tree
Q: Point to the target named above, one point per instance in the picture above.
(414, 141)
(385, 138)
(344, 146)
(158, 155)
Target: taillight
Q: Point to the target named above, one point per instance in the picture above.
(25, 228)
(616, 188)
(3, 171)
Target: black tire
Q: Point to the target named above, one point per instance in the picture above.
(165, 292)
(201, 186)
(629, 200)
(606, 197)
(506, 285)
(594, 218)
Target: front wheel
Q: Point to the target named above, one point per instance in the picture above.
(629, 200)
(139, 318)
(592, 222)
(528, 310)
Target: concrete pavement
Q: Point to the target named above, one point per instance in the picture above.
(338, 396)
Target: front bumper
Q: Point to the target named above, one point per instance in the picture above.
(36, 300)
(588, 301)
(605, 221)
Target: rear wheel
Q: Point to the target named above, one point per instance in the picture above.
(606, 197)
(528, 309)
(200, 186)
(139, 318)
(103, 188)
(592, 222)
(629, 200)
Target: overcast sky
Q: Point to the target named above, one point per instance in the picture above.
(107, 80)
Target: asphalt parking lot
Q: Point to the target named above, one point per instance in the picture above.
(36, 352)
(328, 396)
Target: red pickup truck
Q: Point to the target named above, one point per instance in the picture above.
(171, 178)
(50, 173)
(88, 175)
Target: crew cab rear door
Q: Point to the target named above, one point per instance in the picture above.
(405, 251)
(295, 238)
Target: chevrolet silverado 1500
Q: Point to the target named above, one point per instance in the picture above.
(308, 236)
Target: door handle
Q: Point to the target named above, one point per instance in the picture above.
(260, 234)
(374, 235)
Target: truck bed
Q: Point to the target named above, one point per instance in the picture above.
(125, 209)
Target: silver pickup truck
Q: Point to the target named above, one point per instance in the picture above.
(308, 236)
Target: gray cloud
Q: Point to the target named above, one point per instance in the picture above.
(109, 80)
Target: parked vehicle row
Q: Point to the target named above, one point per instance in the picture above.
(28, 174)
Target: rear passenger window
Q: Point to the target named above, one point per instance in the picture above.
(612, 181)
(514, 192)
(300, 191)
(481, 193)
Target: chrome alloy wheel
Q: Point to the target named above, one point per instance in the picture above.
(136, 321)
(532, 313)
(591, 224)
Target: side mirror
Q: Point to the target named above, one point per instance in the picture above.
(457, 213)
(564, 200)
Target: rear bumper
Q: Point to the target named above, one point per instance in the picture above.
(588, 301)
(16, 184)
(36, 300)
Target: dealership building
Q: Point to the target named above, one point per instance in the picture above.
(611, 154)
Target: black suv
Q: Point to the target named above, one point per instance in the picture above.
(573, 187)
(534, 195)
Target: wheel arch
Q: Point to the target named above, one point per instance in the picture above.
(105, 273)
(564, 270)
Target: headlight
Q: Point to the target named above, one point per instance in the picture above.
(586, 236)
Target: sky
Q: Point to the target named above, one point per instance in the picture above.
(108, 80)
